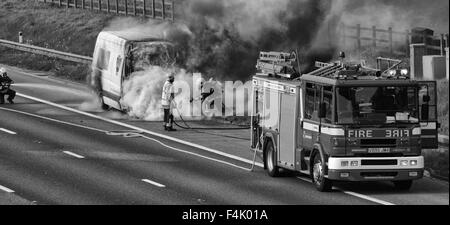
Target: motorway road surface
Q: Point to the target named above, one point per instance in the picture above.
(53, 156)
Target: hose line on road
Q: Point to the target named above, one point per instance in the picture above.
(197, 129)
(133, 134)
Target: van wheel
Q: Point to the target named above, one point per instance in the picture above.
(271, 164)
(318, 175)
(104, 106)
(403, 185)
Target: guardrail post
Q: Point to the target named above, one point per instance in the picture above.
(82, 4)
(143, 8)
(408, 42)
(117, 6)
(374, 36)
(358, 37)
(153, 8)
(163, 9)
(92, 4)
(60, 3)
(173, 11)
(20, 37)
(68, 3)
(134, 6)
(126, 7)
(99, 5)
(391, 45)
(107, 6)
(343, 36)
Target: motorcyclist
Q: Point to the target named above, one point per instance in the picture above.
(5, 87)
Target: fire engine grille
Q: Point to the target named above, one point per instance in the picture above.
(378, 162)
(378, 174)
(378, 142)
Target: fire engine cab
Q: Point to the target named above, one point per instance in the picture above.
(343, 122)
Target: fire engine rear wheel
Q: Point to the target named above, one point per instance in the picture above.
(271, 163)
(318, 175)
(403, 185)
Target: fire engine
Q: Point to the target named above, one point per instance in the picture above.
(342, 122)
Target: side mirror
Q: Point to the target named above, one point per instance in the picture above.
(425, 112)
(322, 110)
(426, 98)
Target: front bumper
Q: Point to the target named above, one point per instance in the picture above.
(363, 172)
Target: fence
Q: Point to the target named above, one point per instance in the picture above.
(157, 9)
(388, 39)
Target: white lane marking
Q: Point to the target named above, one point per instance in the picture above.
(74, 154)
(153, 183)
(143, 130)
(372, 199)
(195, 154)
(179, 141)
(358, 195)
(7, 131)
(3, 188)
(54, 120)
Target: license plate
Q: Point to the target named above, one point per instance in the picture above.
(379, 150)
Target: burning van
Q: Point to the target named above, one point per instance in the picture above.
(118, 54)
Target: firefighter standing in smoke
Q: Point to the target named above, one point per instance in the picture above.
(168, 94)
(5, 83)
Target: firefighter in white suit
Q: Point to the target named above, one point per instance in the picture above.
(168, 94)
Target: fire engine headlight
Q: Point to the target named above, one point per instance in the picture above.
(404, 72)
(413, 162)
(404, 142)
(354, 163)
(344, 163)
(404, 162)
(392, 72)
(352, 141)
(335, 141)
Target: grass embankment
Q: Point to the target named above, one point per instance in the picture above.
(69, 30)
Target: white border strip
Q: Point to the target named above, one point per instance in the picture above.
(153, 183)
(7, 131)
(74, 155)
(142, 130)
(365, 197)
(368, 198)
(3, 188)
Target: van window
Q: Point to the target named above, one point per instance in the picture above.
(146, 54)
(103, 59)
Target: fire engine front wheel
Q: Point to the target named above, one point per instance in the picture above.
(271, 163)
(318, 175)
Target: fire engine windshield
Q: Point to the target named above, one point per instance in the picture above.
(377, 105)
(146, 54)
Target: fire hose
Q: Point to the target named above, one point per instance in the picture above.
(218, 128)
(196, 129)
(137, 134)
